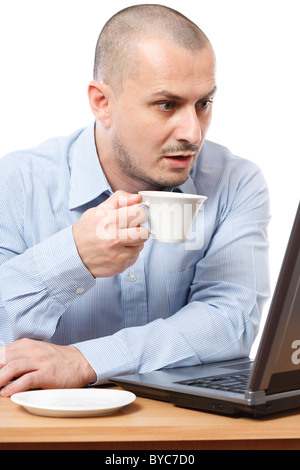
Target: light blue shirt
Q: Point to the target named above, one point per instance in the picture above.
(178, 305)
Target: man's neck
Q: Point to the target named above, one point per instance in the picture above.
(117, 179)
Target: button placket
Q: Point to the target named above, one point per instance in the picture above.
(134, 294)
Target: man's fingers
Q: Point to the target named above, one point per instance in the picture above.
(131, 216)
(25, 382)
(135, 236)
(121, 199)
(12, 370)
(123, 224)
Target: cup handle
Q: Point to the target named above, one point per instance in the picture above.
(142, 204)
(145, 204)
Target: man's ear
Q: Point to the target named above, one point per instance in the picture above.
(100, 95)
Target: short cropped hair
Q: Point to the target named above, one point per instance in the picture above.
(115, 56)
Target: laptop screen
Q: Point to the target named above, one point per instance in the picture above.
(277, 364)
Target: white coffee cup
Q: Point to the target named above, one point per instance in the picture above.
(171, 214)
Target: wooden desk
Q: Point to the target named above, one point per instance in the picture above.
(146, 425)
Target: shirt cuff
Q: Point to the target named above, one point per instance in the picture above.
(61, 267)
(107, 356)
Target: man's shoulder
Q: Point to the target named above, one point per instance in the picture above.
(215, 155)
(217, 161)
(219, 172)
(48, 155)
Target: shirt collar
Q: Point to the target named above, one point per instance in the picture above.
(88, 180)
(188, 187)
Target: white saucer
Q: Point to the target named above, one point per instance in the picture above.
(73, 403)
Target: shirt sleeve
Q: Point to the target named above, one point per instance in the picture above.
(37, 283)
(227, 295)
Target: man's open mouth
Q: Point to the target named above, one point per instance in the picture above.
(179, 161)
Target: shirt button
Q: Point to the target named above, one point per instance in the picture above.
(132, 276)
(80, 290)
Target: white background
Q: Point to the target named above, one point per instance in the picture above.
(47, 52)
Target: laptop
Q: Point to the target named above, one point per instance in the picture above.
(269, 384)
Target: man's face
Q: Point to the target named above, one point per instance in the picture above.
(160, 119)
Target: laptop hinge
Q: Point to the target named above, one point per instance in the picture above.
(255, 398)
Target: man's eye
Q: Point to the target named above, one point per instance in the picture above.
(167, 105)
(204, 104)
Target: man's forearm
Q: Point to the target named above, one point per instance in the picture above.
(39, 285)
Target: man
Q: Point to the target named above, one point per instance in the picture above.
(78, 305)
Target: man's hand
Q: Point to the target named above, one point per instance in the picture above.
(36, 364)
(109, 237)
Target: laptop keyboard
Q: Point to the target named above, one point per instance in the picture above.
(229, 383)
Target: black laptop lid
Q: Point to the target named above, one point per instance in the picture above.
(277, 365)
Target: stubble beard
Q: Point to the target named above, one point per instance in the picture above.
(129, 168)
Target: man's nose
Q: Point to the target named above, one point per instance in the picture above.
(188, 127)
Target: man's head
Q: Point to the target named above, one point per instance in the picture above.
(154, 79)
(115, 56)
